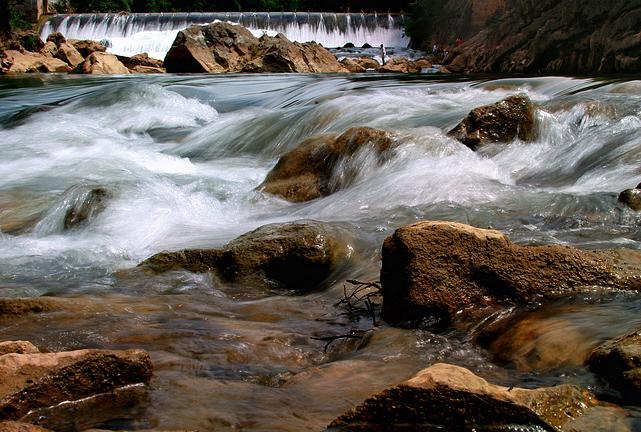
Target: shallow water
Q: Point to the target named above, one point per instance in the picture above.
(181, 157)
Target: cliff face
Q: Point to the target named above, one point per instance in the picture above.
(556, 36)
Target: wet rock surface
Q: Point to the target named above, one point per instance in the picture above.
(84, 205)
(434, 269)
(453, 398)
(294, 256)
(619, 362)
(14, 426)
(501, 122)
(34, 381)
(308, 171)
(631, 198)
(224, 47)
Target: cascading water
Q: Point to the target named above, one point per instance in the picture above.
(154, 33)
(179, 158)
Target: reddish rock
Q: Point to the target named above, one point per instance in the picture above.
(69, 54)
(307, 172)
(434, 269)
(453, 398)
(17, 347)
(400, 65)
(14, 426)
(16, 62)
(352, 66)
(99, 63)
(501, 122)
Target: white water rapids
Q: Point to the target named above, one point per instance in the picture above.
(154, 33)
(180, 158)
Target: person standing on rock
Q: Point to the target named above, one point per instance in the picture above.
(383, 54)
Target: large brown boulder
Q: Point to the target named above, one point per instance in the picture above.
(400, 65)
(17, 347)
(226, 47)
(16, 62)
(499, 122)
(33, 381)
(434, 269)
(14, 426)
(619, 362)
(308, 171)
(279, 55)
(450, 397)
(294, 256)
(99, 63)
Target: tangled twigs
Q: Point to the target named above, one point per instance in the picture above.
(353, 334)
(363, 300)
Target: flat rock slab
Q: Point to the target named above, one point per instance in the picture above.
(450, 397)
(434, 269)
(33, 381)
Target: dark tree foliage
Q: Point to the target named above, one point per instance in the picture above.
(423, 19)
(5, 27)
(238, 5)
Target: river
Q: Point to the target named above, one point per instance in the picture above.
(181, 157)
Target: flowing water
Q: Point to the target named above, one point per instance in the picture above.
(180, 156)
(132, 34)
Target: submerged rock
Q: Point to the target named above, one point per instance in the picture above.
(631, 198)
(501, 122)
(33, 381)
(226, 47)
(619, 362)
(450, 397)
(84, 206)
(99, 63)
(308, 171)
(434, 269)
(294, 256)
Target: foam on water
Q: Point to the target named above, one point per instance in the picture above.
(195, 185)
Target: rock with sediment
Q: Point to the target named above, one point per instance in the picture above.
(14, 426)
(225, 47)
(297, 256)
(450, 397)
(308, 171)
(433, 269)
(99, 63)
(16, 62)
(34, 381)
(501, 122)
(619, 362)
(18, 347)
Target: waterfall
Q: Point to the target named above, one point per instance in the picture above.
(154, 33)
